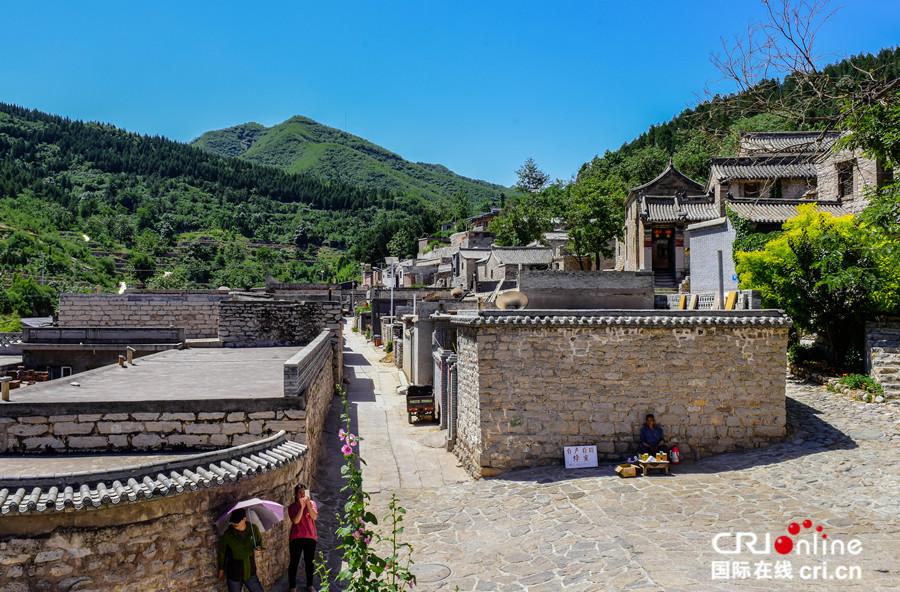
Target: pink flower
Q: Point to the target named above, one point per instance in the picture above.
(351, 439)
(347, 450)
(367, 539)
(342, 434)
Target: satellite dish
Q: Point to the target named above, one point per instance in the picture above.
(457, 292)
(512, 300)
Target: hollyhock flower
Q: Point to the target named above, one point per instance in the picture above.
(342, 434)
(347, 450)
(351, 439)
(367, 539)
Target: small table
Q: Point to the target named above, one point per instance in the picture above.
(654, 464)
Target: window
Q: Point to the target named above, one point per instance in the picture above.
(845, 179)
(751, 189)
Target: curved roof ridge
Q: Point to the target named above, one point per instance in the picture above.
(670, 169)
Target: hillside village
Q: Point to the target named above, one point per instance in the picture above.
(282, 357)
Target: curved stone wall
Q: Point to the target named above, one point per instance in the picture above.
(145, 527)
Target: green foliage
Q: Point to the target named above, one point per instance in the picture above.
(746, 240)
(303, 146)
(863, 383)
(531, 178)
(822, 273)
(388, 347)
(143, 266)
(595, 215)
(26, 298)
(10, 324)
(363, 569)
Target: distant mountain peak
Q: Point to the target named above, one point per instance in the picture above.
(303, 145)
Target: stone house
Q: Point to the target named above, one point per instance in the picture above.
(504, 263)
(657, 214)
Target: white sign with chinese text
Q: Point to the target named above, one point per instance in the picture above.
(579, 457)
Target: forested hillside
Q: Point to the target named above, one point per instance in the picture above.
(301, 145)
(87, 204)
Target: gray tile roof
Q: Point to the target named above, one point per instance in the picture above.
(670, 209)
(86, 490)
(474, 253)
(775, 211)
(523, 255)
(762, 167)
(627, 318)
(787, 142)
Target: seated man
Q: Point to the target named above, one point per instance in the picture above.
(652, 437)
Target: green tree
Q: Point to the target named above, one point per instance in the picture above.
(531, 178)
(595, 216)
(822, 273)
(143, 266)
(522, 222)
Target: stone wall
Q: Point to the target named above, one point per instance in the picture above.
(529, 386)
(158, 544)
(197, 312)
(157, 426)
(865, 175)
(587, 289)
(883, 353)
(261, 323)
(706, 239)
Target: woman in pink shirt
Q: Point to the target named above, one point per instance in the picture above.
(303, 514)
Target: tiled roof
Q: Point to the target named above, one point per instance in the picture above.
(523, 255)
(557, 235)
(786, 142)
(777, 210)
(762, 167)
(627, 318)
(670, 209)
(474, 253)
(669, 170)
(87, 490)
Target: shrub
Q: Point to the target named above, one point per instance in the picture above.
(863, 383)
(389, 347)
(368, 333)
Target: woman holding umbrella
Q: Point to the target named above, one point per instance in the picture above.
(303, 514)
(238, 548)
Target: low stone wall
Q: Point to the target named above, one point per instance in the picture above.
(197, 312)
(161, 543)
(883, 353)
(587, 289)
(529, 386)
(157, 426)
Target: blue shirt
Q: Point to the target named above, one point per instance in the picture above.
(651, 437)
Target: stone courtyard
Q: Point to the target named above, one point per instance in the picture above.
(550, 529)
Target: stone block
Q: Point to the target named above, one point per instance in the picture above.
(255, 427)
(118, 441)
(56, 418)
(88, 442)
(67, 428)
(120, 427)
(28, 430)
(236, 416)
(189, 440)
(163, 427)
(202, 428)
(146, 441)
(262, 415)
(177, 417)
(85, 417)
(46, 556)
(33, 419)
(289, 426)
(218, 440)
(145, 416)
(243, 439)
(206, 415)
(115, 417)
(234, 428)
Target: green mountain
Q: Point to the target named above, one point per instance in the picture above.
(87, 204)
(301, 145)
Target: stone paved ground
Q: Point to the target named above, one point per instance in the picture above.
(586, 530)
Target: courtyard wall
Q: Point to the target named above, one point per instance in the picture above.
(531, 385)
(196, 311)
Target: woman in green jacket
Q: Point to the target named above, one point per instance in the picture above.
(238, 549)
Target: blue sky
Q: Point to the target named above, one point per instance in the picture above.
(476, 86)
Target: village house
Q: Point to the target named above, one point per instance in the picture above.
(771, 175)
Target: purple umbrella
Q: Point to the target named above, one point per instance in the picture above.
(263, 513)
